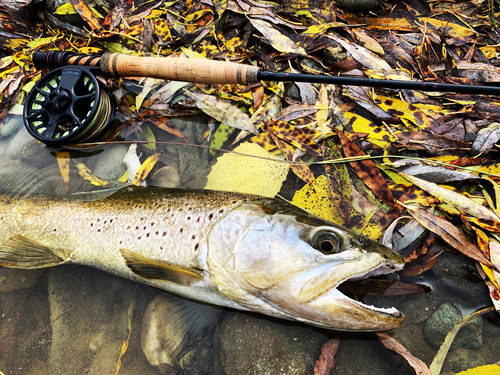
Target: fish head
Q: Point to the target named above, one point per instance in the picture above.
(274, 258)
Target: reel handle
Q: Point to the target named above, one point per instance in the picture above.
(174, 69)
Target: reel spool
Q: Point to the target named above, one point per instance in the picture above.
(67, 106)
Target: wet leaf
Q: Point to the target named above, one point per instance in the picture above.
(294, 135)
(149, 135)
(316, 198)
(367, 171)
(422, 264)
(88, 15)
(326, 361)
(246, 174)
(145, 168)
(279, 41)
(454, 199)
(391, 343)
(221, 135)
(63, 158)
(449, 233)
(64, 9)
(338, 181)
(482, 370)
(222, 111)
(486, 139)
(167, 125)
(438, 361)
(88, 176)
(404, 110)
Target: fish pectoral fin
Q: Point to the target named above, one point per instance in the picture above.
(161, 270)
(21, 252)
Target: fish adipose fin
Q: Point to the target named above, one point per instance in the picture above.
(21, 252)
(161, 270)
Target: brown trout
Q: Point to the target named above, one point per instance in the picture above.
(234, 250)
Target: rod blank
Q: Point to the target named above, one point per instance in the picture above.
(222, 72)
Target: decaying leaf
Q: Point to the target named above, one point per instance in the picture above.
(145, 168)
(317, 199)
(261, 175)
(63, 158)
(391, 343)
(454, 199)
(88, 176)
(222, 111)
(486, 138)
(326, 361)
(279, 41)
(450, 233)
(367, 171)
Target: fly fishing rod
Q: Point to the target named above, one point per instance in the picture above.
(69, 105)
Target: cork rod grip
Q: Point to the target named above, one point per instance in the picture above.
(179, 69)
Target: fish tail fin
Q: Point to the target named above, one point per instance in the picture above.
(21, 252)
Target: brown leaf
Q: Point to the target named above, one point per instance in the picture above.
(420, 265)
(293, 135)
(167, 125)
(326, 361)
(88, 15)
(338, 180)
(448, 232)
(391, 343)
(367, 171)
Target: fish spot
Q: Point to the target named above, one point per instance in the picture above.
(234, 202)
(121, 242)
(145, 227)
(128, 227)
(182, 229)
(196, 246)
(189, 217)
(110, 221)
(98, 220)
(190, 208)
(99, 230)
(193, 237)
(152, 224)
(136, 228)
(157, 233)
(198, 220)
(139, 237)
(221, 211)
(210, 217)
(147, 235)
(91, 224)
(55, 230)
(105, 221)
(164, 234)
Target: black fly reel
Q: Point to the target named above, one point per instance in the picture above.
(67, 106)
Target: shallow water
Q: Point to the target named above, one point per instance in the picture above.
(74, 319)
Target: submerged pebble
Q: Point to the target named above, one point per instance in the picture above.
(15, 279)
(444, 319)
(167, 177)
(109, 164)
(250, 345)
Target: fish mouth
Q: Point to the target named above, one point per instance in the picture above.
(332, 309)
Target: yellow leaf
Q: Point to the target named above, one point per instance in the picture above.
(145, 168)
(64, 9)
(192, 54)
(63, 158)
(404, 110)
(88, 176)
(246, 174)
(149, 135)
(482, 370)
(279, 41)
(451, 28)
(317, 199)
(378, 135)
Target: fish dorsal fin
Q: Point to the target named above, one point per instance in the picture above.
(21, 252)
(161, 270)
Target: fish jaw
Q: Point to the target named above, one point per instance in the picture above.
(264, 256)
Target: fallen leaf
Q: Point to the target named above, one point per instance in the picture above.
(338, 181)
(145, 168)
(486, 138)
(493, 369)
(422, 264)
(222, 111)
(150, 137)
(391, 343)
(454, 199)
(246, 174)
(279, 41)
(294, 135)
(438, 360)
(326, 361)
(63, 158)
(316, 198)
(88, 15)
(367, 171)
(448, 232)
(88, 176)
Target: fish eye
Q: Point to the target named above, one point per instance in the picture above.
(327, 243)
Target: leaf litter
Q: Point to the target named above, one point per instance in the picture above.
(441, 42)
